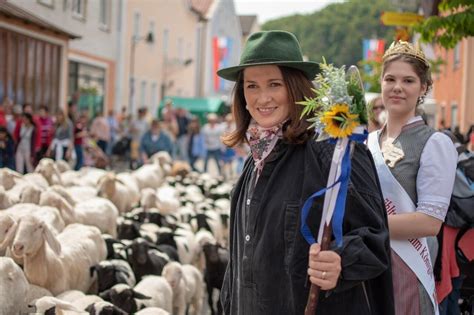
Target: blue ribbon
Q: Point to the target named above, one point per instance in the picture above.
(340, 206)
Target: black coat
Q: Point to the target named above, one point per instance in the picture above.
(267, 273)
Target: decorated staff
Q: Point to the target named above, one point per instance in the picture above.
(270, 259)
(340, 116)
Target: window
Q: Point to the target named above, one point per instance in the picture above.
(136, 24)
(154, 95)
(454, 115)
(166, 34)
(143, 94)
(457, 55)
(48, 3)
(104, 14)
(79, 9)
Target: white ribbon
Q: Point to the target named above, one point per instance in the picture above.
(413, 252)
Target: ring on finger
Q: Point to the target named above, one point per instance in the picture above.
(323, 275)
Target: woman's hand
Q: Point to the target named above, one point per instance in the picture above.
(324, 267)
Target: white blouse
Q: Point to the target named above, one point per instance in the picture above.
(435, 179)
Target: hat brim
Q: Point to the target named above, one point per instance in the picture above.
(309, 68)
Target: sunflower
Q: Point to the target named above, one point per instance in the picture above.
(339, 121)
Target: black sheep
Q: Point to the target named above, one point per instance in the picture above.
(217, 258)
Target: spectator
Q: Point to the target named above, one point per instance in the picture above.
(182, 120)
(3, 121)
(228, 153)
(100, 131)
(46, 130)
(169, 118)
(457, 133)
(62, 145)
(7, 149)
(26, 144)
(80, 132)
(470, 138)
(153, 141)
(196, 143)
(377, 115)
(15, 118)
(114, 128)
(212, 132)
(137, 129)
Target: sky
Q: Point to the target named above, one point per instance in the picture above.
(271, 9)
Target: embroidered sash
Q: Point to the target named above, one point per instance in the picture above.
(414, 252)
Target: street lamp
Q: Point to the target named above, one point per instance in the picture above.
(135, 39)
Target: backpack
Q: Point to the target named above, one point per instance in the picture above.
(461, 208)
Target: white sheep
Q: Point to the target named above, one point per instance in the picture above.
(98, 212)
(7, 199)
(80, 193)
(122, 196)
(45, 304)
(58, 263)
(34, 292)
(152, 311)
(149, 175)
(89, 176)
(83, 302)
(63, 166)
(168, 200)
(159, 291)
(71, 295)
(187, 284)
(30, 194)
(8, 178)
(14, 287)
(49, 170)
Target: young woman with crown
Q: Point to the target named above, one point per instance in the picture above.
(270, 260)
(416, 167)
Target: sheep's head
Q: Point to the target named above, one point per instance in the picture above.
(62, 166)
(180, 168)
(32, 233)
(106, 186)
(51, 305)
(53, 199)
(104, 308)
(63, 193)
(7, 178)
(124, 297)
(7, 230)
(30, 194)
(47, 168)
(173, 273)
(148, 199)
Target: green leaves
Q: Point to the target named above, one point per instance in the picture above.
(455, 23)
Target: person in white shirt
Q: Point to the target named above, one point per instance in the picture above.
(212, 132)
(416, 166)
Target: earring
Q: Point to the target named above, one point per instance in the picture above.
(246, 107)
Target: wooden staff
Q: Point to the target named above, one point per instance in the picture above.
(313, 296)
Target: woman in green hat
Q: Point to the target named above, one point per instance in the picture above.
(271, 265)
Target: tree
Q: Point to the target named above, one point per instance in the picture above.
(455, 21)
(337, 31)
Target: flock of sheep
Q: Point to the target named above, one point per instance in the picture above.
(150, 241)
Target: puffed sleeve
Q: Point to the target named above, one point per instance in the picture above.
(365, 253)
(435, 179)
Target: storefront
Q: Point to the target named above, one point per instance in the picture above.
(32, 59)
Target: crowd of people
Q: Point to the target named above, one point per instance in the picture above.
(27, 136)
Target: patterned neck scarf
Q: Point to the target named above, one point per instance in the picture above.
(262, 141)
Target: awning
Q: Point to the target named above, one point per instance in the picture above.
(197, 106)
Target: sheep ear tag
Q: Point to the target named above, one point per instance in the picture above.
(392, 154)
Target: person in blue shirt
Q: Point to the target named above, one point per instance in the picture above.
(7, 149)
(153, 141)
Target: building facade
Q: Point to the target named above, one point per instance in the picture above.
(90, 53)
(453, 87)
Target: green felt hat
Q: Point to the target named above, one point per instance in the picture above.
(277, 48)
